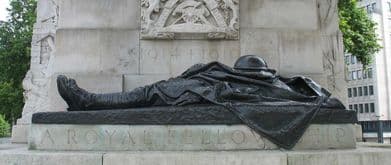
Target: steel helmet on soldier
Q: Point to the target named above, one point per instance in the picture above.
(251, 63)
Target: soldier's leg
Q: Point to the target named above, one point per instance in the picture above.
(79, 99)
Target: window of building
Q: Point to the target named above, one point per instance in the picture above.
(371, 8)
(370, 73)
(366, 108)
(365, 91)
(359, 74)
(371, 92)
(347, 60)
(364, 74)
(350, 107)
(361, 108)
(359, 91)
(354, 92)
(349, 92)
(354, 75)
(389, 6)
(353, 59)
(355, 107)
(372, 107)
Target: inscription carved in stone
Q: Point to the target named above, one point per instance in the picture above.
(190, 19)
(173, 138)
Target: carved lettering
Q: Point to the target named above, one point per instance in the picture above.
(220, 137)
(187, 137)
(91, 137)
(258, 138)
(171, 136)
(110, 135)
(128, 139)
(147, 137)
(71, 136)
(47, 135)
(340, 134)
(205, 135)
(238, 137)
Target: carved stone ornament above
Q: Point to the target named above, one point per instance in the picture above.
(190, 19)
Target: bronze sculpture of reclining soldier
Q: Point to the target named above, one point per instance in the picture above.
(245, 90)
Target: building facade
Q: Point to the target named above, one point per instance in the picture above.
(369, 90)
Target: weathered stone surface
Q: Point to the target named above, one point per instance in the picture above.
(96, 51)
(295, 47)
(20, 133)
(328, 16)
(250, 40)
(361, 156)
(359, 134)
(365, 154)
(99, 14)
(272, 14)
(174, 57)
(24, 157)
(177, 138)
(197, 158)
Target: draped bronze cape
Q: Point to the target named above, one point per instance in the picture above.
(278, 108)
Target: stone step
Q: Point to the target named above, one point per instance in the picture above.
(379, 155)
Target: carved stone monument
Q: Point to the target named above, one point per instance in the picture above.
(115, 46)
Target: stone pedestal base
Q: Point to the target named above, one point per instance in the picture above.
(363, 155)
(20, 133)
(179, 138)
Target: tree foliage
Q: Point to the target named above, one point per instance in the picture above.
(4, 127)
(358, 30)
(15, 44)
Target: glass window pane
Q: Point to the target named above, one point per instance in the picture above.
(372, 107)
(347, 60)
(371, 92)
(365, 91)
(361, 107)
(370, 73)
(359, 91)
(355, 107)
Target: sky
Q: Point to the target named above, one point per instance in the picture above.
(4, 4)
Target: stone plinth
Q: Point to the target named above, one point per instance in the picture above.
(178, 138)
(363, 155)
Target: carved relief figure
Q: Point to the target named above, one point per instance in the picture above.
(35, 83)
(152, 6)
(192, 12)
(234, 21)
(183, 19)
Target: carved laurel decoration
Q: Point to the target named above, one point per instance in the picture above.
(190, 19)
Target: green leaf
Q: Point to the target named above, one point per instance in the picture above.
(359, 36)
